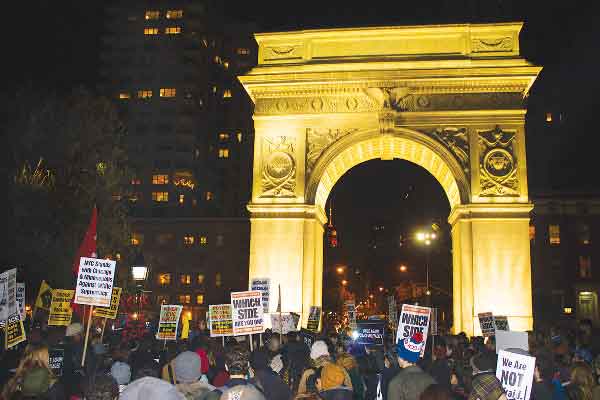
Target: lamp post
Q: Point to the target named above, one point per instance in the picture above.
(139, 274)
(426, 238)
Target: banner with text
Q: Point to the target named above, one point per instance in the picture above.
(8, 294)
(110, 312)
(370, 332)
(60, 308)
(44, 297)
(169, 320)
(413, 319)
(284, 323)
(95, 282)
(308, 337)
(314, 318)
(15, 332)
(515, 373)
(486, 323)
(264, 285)
(56, 361)
(21, 299)
(219, 318)
(247, 312)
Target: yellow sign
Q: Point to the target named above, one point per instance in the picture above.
(110, 312)
(44, 297)
(60, 309)
(15, 332)
(185, 325)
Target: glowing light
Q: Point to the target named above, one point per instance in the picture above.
(139, 272)
(135, 315)
(381, 288)
(568, 310)
(354, 335)
(371, 296)
(420, 236)
(340, 270)
(27, 308)
(403, 268)
(184, 182)
(344, 282)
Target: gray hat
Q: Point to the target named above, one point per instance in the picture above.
(121, 372)
(150, 388)
(187, 366)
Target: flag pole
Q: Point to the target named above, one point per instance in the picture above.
(280, 320)
(87, 335)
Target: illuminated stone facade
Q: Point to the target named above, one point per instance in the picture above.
(449, 98)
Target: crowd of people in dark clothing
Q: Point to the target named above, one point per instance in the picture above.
(284, 367)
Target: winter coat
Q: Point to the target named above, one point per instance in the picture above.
(272, 385)
(409, 383)
(337, 393)
(195, 391)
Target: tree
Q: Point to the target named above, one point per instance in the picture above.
(63, 155)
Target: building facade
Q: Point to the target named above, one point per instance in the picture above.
(171, 67)
(563, 233)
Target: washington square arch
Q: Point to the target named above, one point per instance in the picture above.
(449, 98)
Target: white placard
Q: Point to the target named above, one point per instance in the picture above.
(247, 312)
(8, 294)
(286, 324)
(264, 285)
(21, 299)
(501, 323)
(511, 340)
(515, 373)
(95, 282)
(413, 319)
(486, 323)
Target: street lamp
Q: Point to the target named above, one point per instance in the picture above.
(139, 273)
(344, 282)
(426, 238)
(340, 270)
(403, 268)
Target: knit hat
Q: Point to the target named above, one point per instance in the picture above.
(187, 367)
(150, 388)
(121, 372)
(332, 375)
(409, 349)
(277, 363)
(36, 382)
(74, 329)
(318, 349)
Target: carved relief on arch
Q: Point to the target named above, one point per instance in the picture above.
(278, 166)
(319, 139)
(457, 141)
(497, 163)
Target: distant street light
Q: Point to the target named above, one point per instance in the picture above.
(340, 270)
(403, 268)
(344, 282)
(426, 238)
(381, 288)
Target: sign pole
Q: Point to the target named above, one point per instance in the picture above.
(251, 345)
(260, 339)
(87, 335)
(103, 327)
(223, 340)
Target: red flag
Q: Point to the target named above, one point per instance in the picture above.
(88, 245)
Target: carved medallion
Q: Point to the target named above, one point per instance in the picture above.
(497, 163)
(278, 167)
(457, 141)
(320, 139)
(484, 45)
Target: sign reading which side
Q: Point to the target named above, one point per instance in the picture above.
(486, 322)
(247, 312)
(110, 312)
(314, 318)
(169, 320)
(515, 373)
(370, 332)
(60, 308)
(220, 320)
(413, 319)
(95, 282)
(264, 285)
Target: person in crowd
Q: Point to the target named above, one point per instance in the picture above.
(217, 373)
(189, 379)
(330, 383)
(436, 392)
(150, 388)
(542, 388)
(242, 392)
(166, 361)
(319, 354)
(121, 372)
(411, 381)
(295, 358)
(38, 383)
(440, 368)
(265, 378)
(237, 360)
(101, 387)
(350, 365)
(582, 377)
(312, 392)
(391, 369)
(485, 384)
(583, 355)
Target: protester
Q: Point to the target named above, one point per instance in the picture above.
(436, 392)
(330, 383)
(189, 379)
(485, 384)
(150, 388)
(582, 381)
(266, 379)
(319, 354)
(121, 372)
(242, 392)
(411, 381)
(102, 387)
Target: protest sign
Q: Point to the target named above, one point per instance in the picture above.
(169, 321)
(413, 319)
(8, 294)
(60, 308)
(314, 318)
(284, 323)
(350, 308)
(486, 322)
(21, 299)
(264, 285)
(515, 373)
(501, 323)
(433, 324)
(3, 299)
(247, 312)
(511, 340)
(308, 337)
(44, 297)
(95, 282)
(370, 332)
(392, 311)
(110, 312)
(15, 332)
(56, 361)
(220, 321)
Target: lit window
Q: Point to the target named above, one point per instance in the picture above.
(226, 64)
(203, 241)
(217, 59)
(188, 240)
(531, 232)
(160, 197)
(174, 14)
(135, 197)
(554, 234)
(204, 42)
(136, 239)
(181, 198)
(124, 95)
(220, 240)
(185, 279)
(214, 89)
(162, 299)
(136, 181)
(583, 234)
(223, 136)
(208, 196)
(239, 137)
(118, 256)
(164, 279)
(227, 93)
(548, 117)
(200, 279)
(242, 51)
(172, 30)
(168, 92)
(585, 267)
(117, 197)
(150, 31)
(218, 279)
(200, 299)
(152, 14)
(160, 179)
(185, 298)
(144, 94)
(224, 153)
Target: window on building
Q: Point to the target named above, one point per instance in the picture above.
(168, 92)
(135, 197)
(164, 279)
(223, 136)
(174, 14)
(200, 279)
(172, 30)
(124, 95)
(531, 232)
(217, 60)
(227, 94)
(144, 94)
(548, 117)
(220, 240)
(226, 64)
(160, 179)
(214, 89)
(203, 240)
(136, 239)
(218, 279)
(185, 279)
(239, 137)
(162, 299)
(200, 299)
(163, 239)
(181, 199)
(224, 152)
(554, 234)
(242, 51)
(583, 233)
(136, 181)
(160, 197)
(204, 41)
(188, 240)
(152, 14)
(585, 267)
(117, 196)
(150, 31)
(208, 196)
(185, 299)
